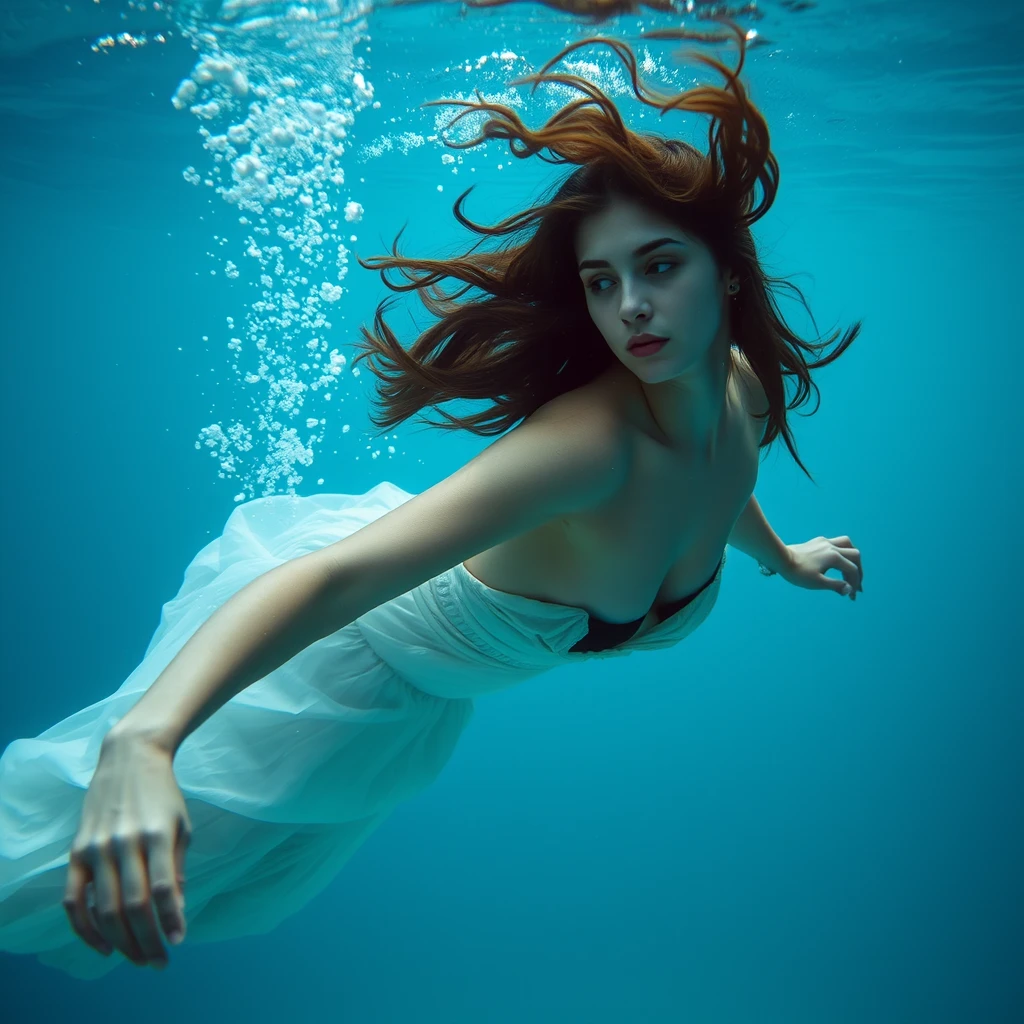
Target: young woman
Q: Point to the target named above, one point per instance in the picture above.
(321, 658)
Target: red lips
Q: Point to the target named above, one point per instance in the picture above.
(643, 339)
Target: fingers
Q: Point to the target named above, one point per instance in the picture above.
(122, 917)
(125, 856)
(851, 566)
(75, 906)
(167, 878)
(849, 585)
(110, 907)
(138, 899)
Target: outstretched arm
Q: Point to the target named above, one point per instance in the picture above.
(565, 457)
(130, 845)
(803, 565)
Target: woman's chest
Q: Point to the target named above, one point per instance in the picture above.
(657, 540)
(662, 536)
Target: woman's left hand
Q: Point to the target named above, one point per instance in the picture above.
(809, 562)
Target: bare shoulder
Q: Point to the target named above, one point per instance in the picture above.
(581, 434)
(592, 407)
(568, 457)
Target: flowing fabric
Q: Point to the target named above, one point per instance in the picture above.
(287, 779)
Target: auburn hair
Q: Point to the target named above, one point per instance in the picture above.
(525, 336)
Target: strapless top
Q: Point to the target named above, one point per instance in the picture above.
(602, 636)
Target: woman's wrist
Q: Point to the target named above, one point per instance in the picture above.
(128, 734)
(778, 565)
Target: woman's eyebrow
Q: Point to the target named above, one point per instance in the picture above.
(645, 248)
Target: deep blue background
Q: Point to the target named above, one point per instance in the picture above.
(811, 811)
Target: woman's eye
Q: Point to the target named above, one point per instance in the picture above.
(597, 280)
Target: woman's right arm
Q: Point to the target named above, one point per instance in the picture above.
(569, 456)
(566, 458)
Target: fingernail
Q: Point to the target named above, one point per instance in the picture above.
(174, 937)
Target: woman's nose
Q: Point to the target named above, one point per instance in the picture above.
(633, 305)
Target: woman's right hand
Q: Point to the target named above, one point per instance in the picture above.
(131, 846)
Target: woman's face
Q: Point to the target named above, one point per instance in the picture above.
(672, 289)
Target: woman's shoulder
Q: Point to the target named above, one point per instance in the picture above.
(599, 405)
(614, 401)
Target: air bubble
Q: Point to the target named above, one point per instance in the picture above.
(276, 148)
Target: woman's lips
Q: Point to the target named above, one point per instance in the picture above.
(648, 348)
(645, 337)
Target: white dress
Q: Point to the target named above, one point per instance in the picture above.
(289, 777)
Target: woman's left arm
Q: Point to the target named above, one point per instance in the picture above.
(804, 564)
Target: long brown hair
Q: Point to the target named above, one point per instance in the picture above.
(529, 337)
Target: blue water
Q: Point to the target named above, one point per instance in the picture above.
(810, 812)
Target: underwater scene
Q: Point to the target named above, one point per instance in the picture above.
(438, 433)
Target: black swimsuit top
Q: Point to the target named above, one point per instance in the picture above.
(601, 635)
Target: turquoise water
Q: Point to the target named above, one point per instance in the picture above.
(808, 812)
